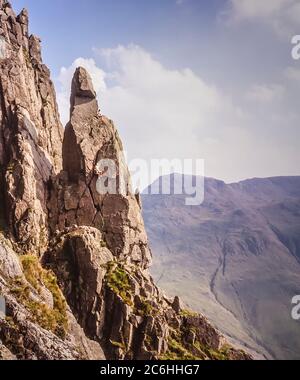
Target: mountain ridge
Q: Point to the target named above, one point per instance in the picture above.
(223, 243)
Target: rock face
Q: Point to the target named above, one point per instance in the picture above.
(31, 328)
(89, 138)
(74, 254)
(30, 131)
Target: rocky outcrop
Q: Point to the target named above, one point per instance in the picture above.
(5, 354)
(38, 323)
(118, 305)
(91, 143)
(78, 257)
(30, 131)
(74, 254)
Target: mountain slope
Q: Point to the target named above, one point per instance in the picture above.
(235, 257)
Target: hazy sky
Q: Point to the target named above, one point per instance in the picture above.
(211, 79)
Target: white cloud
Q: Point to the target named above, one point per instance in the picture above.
(163, 113)
(293, 74)
(281, 15)
(244, 9)
(265, 93)
(293, 12)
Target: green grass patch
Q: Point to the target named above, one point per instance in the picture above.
(118, 345)
(119, 282)
(145, 309)
(176, 351)
(212, 354)
(188, 313)
(179, 349)
(55, 319)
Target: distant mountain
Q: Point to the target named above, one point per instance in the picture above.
(235, 258)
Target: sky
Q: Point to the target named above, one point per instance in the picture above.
(184, 79)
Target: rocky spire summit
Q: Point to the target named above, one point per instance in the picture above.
(89, 138)
(82, 86)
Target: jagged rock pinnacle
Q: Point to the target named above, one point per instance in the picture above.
(82, 85)
(22, 19)
(90, 137)
(82, 88)
(84, 107)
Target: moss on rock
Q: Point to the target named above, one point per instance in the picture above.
(52, 319)
(119, 282)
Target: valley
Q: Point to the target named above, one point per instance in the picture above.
(235, 258)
